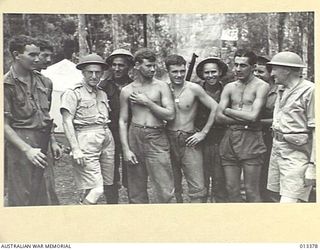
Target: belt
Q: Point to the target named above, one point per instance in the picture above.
(279, 136)
(147, 126)
(40, 130)
(90, 127)
(245, 127)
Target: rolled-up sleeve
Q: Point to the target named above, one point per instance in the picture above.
(310, 109)
(7, 103)
(69, 102)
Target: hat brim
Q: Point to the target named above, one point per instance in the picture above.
(80, 66)
(110, 58)
(222, 66)
(291, 65)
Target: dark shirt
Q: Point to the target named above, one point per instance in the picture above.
(27, 105)
(216, 132)
(113, 92)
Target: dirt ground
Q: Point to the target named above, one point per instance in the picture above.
(69, 195)
(65, 185)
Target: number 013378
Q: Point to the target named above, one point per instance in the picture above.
(308, 246)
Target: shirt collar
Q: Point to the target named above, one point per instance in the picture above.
(89, 88)
(16, 76)
(273, 88)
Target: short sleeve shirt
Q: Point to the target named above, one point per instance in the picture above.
(294, 111)
(89, 106)
(27, 105)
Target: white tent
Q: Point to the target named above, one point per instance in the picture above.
(63, 75)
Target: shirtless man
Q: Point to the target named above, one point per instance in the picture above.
(242, 146)
(145, 146)
(186, 152)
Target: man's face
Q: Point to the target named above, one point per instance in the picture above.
(280, 74)
(45, 59)
(147, 68)
(211, 73)
(29, 59)
(242, 68)
(177, 74)
(92, 74)
(120, 67)
(261, 72)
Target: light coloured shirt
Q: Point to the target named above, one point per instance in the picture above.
(294, 111)
(89, 106)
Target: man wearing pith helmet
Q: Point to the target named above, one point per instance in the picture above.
(85, 113)
(292, 165)
(120, 62)
(211, 70)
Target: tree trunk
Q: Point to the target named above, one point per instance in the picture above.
(310, 49)
(145, 28)
(115, 31)
(83, 47)
(281, 28)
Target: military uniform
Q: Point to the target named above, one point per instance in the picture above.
(90, 109)
(211, 157)
(293, 120)
(267, 113)
(26, 108)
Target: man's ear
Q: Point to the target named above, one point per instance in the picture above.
(136, 65)
(15, 54)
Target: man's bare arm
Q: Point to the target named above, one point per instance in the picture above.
(69, 131)
(34, 155)
(123, 127)
(221, 118)
(253, 115)
(164, 112)
(211, 104)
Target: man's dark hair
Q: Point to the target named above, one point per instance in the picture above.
(144, 53)
(18, 43)
(44, 44)
(263, 61)
(247, 53)
(174, 60)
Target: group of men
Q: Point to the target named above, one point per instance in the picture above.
(210, 133)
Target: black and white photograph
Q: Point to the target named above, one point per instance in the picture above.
(158, 108)
(169, 121)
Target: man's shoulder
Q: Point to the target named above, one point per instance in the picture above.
(74, 88)
(8, 79)
(127, 89)
(160, 83)
(193, 86)
(46, 80)
(308, 83)
(260, 82)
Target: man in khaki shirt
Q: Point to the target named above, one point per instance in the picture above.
(85, 116)
(292, 164)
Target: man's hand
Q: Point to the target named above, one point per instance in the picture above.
(310, 182)
(139, 98)
(130, 157)
(195, 139)
(78, 157)
(57, 150)
(36, 157)
(310, 175)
